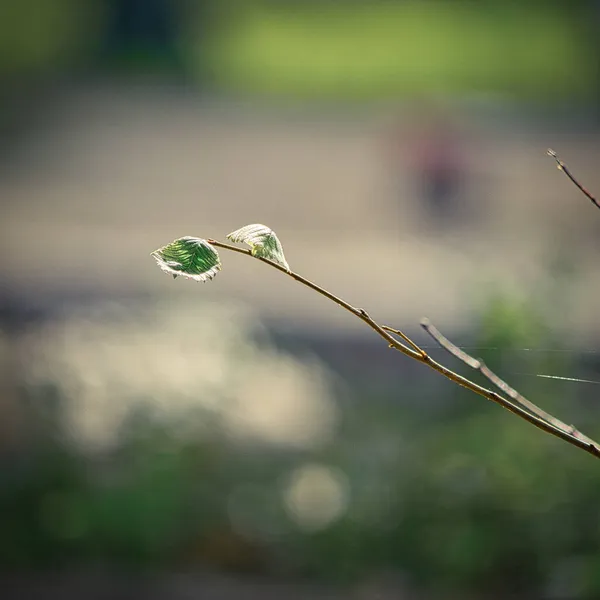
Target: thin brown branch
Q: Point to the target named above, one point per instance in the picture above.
(357, 312)
(418, 354)
(563, 167)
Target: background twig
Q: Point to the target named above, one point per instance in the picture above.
(562, 167)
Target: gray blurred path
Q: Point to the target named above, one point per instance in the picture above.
(114, 174)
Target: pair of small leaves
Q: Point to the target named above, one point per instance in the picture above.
(197, 259)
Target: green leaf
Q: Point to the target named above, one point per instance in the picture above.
(190, 257)
(262, 241)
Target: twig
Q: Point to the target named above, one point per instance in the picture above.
(357, 312)
(417, 353)
(406, 339)
(562, 167)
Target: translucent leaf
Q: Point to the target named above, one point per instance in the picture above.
(262, 241)
(190, 257)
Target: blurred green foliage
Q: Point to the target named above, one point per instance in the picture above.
(473, 499)
(45, 37)
(325, 49)
(382, 49)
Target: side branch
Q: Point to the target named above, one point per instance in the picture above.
(480, 366)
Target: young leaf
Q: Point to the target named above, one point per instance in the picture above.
(262, 241)
(190, 257)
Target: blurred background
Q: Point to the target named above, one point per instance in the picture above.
(247, 438)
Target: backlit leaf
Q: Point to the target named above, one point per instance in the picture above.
(189, 257)
(262, 241)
